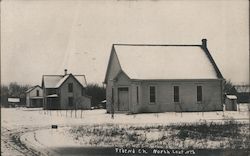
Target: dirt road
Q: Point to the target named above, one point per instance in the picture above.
(11, 144)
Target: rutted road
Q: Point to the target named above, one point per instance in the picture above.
(10, 141)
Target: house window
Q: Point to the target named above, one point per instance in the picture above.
(37, 92)
(152, 94)
(199, 93)
(70, 87)
(176, 94)
(71, 101)
(83, 91)
(137, 94)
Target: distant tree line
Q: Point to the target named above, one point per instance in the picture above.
(16, 90)
(97, 92)
(13, 90)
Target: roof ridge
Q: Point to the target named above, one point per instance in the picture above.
(53, 75)
(79, 75)
(125, 44)
(67, 74)
(31, 88)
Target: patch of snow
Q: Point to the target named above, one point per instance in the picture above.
(30, 118)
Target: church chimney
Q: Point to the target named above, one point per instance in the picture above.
(204, 43)
(65, 71)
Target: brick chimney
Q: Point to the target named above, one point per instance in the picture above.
(204, 43)
(65, 72)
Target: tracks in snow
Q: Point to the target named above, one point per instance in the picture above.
(11, 140)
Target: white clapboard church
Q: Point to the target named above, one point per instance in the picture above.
(162, 78)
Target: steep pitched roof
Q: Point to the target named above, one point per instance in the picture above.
(30, 89)
(81, 79)
(140, 61)
(55, 81)
(60, 82)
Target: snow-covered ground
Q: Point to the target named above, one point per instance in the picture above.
(19, 117)
(34, 125)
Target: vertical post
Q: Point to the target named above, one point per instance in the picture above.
(48, 106)
(202, 110)
(112, 104)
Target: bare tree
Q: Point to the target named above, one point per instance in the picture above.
(229, 88)
(13, 90)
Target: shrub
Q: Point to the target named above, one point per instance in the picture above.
(209, 130)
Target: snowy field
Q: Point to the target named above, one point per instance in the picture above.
(26, 131)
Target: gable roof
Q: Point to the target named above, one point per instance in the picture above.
(55, 81)
(30, 89)
(146, 61)
(232, 97)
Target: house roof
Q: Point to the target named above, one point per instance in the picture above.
(59, 83)
(14, 100)
(30, 89)
(166, 61)
(53, 96)
(242, 88)
(233, 97)
(55, 81)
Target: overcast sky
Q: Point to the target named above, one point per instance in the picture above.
(46, 36)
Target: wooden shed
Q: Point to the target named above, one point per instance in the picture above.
(231, 103)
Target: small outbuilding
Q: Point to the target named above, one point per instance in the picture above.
(231, 103)
(14, 102)
(34, 97)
